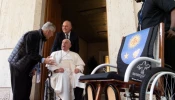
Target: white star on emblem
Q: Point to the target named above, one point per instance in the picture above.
(126, 56)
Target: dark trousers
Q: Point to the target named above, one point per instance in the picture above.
(21, 84)
(169, 59)
(78, 92)
(169, 53)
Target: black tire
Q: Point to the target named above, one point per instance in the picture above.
(154, 72)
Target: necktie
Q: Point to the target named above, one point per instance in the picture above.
(67, 36)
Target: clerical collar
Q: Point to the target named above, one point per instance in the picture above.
(65, 51)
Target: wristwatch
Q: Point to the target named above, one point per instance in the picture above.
(172, 28)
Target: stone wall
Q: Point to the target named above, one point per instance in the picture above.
(16, 18)
(5, 94)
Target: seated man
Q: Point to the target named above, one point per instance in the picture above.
(69, 67)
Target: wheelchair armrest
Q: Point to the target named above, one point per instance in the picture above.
(49, 73)
(134, 62)
(101, 66)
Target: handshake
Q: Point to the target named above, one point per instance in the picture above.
(49, 61)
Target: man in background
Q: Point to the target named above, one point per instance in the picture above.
(66, 34)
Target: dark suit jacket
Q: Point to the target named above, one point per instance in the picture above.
(61, 36)
(26, 53)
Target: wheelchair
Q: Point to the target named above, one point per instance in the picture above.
(140, 71)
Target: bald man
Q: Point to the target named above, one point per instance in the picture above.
(66, 34)
(69, 67)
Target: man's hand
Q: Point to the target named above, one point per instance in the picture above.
(60, 70)
(33, 71)
(170, 34)
(76, 70)
(49, 61)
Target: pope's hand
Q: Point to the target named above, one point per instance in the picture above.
(49, 61)
(76, 70)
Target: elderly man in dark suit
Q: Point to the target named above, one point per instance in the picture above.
(66, 34)
(25, 56)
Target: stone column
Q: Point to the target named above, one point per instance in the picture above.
(121, 20)
(16, 18)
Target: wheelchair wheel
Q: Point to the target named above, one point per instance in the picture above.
(159, 84)
(112, 93)
(90, 92)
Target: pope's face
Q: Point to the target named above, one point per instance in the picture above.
(65, 45)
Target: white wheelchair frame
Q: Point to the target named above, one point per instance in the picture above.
(159, 61)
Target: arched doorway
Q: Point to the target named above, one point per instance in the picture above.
(89, 21)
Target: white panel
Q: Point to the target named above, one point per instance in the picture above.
(5, 94)
(5, 69)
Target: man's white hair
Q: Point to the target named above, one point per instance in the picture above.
(49, 26)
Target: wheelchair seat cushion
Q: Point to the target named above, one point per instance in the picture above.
(101, 76)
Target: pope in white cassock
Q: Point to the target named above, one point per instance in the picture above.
(69, 67)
